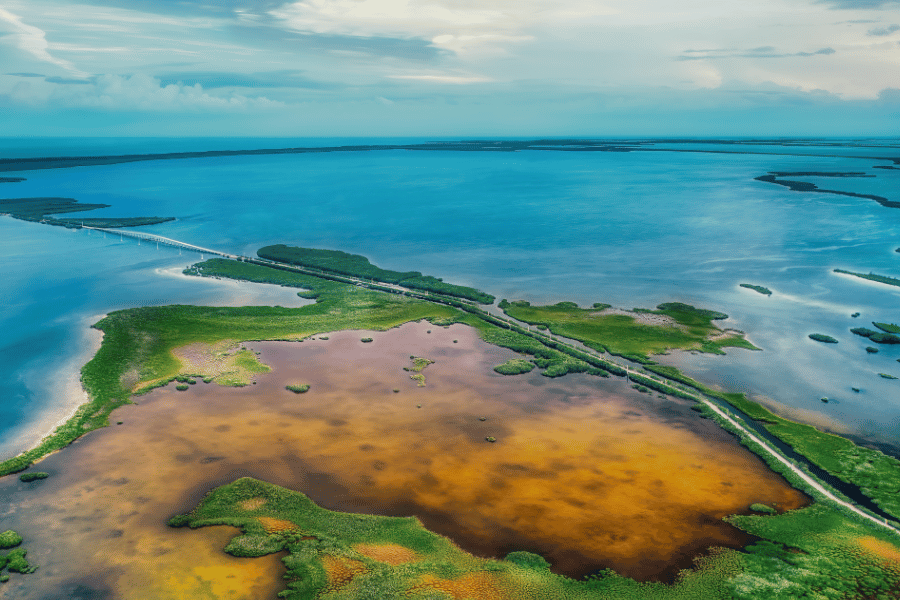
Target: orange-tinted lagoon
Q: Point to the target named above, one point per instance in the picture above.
(585, 471)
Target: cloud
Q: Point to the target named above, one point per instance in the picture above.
(31, 40)
(462, 27)
(137, 92)
(761, 52)
(68, 81)
(284, 40)
(193, 7)
(860, 4)
(456, 79)
(884, 30)
(289, 78)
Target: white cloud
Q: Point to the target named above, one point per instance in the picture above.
(31, 40)
(138, 92)
(457, 79)
(458, 25)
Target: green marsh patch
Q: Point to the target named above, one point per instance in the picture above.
(515, 366)
(633, 334)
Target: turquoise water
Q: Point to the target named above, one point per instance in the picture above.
(631, 229)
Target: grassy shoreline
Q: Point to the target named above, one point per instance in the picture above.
(136, 354)
(140, 342)
(809, 552)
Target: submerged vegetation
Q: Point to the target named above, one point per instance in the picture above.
(757, 288)
(354, 265)
(815, 552)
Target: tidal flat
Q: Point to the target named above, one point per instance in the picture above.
(585, 471)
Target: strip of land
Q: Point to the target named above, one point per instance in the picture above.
(138, 353)
(872, 277)
(805, 186)
(39, 210)
(757, 288)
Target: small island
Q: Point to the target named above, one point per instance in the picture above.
(821, 337)
(872, 277)
(876, 336)
(39, 210)
(301, 388)
(757, 288)
(515, 366)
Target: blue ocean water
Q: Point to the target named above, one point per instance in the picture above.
(631, 229)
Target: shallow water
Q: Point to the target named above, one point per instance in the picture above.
(632, 229)
(585, 471)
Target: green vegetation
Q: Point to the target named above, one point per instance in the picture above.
(887, 327)
(141, 341)
(515, 366)
(886, 376)
(821, 337)
(39, 209)
(763, 508)
(33, 476)
(419, 365)
(757, 288)
(366, 340)
(625, 335)
(871, 277)
(138, 343)
(354, 265)
(815, 552)
(876, 336)
(9, 539)
(490, 439)
(874, 473)
(854, 315)
(298, 389)
(182, 387)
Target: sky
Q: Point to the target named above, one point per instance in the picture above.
(451, 68)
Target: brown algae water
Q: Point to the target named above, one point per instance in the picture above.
(585, 471)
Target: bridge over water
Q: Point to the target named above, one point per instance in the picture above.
(158, 239)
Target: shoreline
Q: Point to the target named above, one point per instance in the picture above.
(68, 387)
(259, 294)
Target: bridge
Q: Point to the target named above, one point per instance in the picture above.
(158, 239)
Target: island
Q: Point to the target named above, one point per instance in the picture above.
(844, 540)
(40, 210)
(757, 288)
(821, 337)
(872, 277)
(805, 186)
